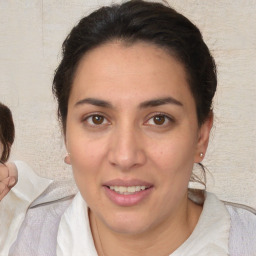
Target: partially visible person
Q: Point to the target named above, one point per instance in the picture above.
(8, 171)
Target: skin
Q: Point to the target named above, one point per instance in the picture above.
(131, 138)
(8, 176)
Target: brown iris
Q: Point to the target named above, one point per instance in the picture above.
(97, 119)
(159, 120)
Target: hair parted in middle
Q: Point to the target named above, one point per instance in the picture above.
(132, 22)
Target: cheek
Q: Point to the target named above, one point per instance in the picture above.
(86, 160)
(173, 159)
(175, 152)
(86, 156)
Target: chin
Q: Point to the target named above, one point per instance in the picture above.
(129, 223)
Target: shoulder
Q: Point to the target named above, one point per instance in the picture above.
(40, 226)
(242, 239)
(31, 213)
(243, 218)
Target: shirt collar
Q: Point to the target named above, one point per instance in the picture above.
(210, 236)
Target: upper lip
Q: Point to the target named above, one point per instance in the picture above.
(127, 183)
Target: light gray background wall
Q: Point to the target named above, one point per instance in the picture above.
(31, 33)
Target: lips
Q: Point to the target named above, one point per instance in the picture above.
(127, 192)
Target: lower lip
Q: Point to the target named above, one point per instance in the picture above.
(127, 200)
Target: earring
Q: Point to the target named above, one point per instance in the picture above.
(66, 158)
(201, 154)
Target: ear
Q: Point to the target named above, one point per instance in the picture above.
(67, 159)
(203, 138)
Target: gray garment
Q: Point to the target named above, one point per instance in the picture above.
(38, 233)
(242, 237)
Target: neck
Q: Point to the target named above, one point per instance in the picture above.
(161, 240)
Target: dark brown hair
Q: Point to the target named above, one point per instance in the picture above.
(132, 22)
(7, 132)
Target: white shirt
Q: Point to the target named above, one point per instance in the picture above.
(36, 226)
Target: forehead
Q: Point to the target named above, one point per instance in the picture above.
(140, 71)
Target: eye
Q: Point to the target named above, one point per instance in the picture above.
(96, 120)
(159, 120)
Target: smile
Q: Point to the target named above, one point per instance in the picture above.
(127, 192)
(122, 190)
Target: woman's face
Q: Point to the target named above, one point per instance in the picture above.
(133, 135)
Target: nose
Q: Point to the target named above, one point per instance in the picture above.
(126, 148)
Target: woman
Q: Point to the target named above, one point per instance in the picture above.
(134, 91)
(8, 172)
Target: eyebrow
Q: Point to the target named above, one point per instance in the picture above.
(145, 104)
(159, 102)
(95, 102)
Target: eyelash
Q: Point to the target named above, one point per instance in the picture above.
(167, 120)
(105, 120)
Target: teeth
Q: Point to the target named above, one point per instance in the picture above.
(127, 190)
